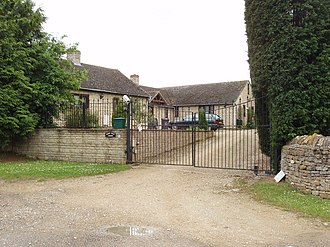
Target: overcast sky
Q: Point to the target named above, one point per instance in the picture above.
(165, 42)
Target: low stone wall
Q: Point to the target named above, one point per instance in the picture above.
(306, 163)
(91, 145)
(83, 145)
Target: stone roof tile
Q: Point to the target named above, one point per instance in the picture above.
(201, 94)
(109, 80)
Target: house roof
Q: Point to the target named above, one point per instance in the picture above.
(109, 80)
(150, 90)
(156, 94)
(201, 94)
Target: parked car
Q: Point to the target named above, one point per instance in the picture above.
(214, 121)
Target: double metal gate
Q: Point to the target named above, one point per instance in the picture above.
(234, 145)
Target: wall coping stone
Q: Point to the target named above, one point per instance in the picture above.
(315, 140)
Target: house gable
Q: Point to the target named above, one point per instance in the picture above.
(158, 99)
(155, 96)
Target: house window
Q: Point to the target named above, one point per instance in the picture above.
(208, 108)
(248, 89)
(115, 102)
(151, 110)
(166, 113)
(81, 99)
(176, 111)
(211, 109)
(244, 111)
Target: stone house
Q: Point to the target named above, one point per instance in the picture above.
(231, 100)
(104, 88)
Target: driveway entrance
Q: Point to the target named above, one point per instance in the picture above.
(232, 145)
(160, 205)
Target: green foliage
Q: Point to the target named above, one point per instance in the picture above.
(250, 119)
(42, 170)
(78, 118)
(202, 122)
(140, 114)
(120, 111)
(289, 57)
(34, 75)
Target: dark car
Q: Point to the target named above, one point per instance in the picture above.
(214, 121)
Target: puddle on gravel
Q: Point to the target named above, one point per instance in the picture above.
(132, 230)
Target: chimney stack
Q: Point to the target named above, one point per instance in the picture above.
(74, 57)
(135, 79)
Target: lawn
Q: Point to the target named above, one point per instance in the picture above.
(43, 170)
(286, 196)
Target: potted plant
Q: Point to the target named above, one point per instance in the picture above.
(119, 116)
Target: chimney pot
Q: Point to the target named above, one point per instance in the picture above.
(74, 57)
(135, 79)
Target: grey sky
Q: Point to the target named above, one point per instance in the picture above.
(165, 42)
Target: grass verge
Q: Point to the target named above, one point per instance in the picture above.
(285, 196)
(43, 170)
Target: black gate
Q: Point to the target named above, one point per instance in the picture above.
(225, 136)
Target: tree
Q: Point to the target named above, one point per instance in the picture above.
(34, 76)
(202, 122)
(288, 46)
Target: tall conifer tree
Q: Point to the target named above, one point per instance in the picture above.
(289, 57)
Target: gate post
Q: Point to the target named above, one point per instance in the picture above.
(128, 135)
(84, 117)
(193, 139)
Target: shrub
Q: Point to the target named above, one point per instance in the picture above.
(202, 122)
(75, 119)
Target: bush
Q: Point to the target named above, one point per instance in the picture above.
(202, 122)
(250, 119)
(75, 119)
(119, 111)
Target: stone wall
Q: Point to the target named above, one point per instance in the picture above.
(306, 163)
(83, 145)
(91, 145)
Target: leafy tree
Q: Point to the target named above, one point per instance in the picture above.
(288, 45)
(202, 122)
(34, 77)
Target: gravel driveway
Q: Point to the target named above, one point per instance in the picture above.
(148, 206)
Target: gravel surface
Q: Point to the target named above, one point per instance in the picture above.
(148, 206)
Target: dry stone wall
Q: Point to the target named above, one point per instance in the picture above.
(306, 163)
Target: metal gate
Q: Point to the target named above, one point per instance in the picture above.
(224, 137)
